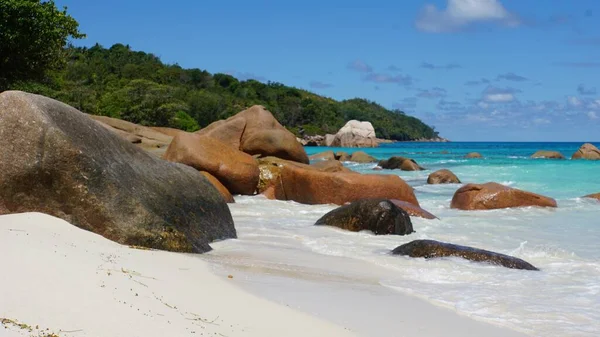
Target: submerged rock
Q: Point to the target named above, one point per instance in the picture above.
(327, 155)
(494, 195)
(435, 249)
(380, 216)
(58, 161)
(362, 157)
(443, 176)
(256, 132)
(593, 196)
(473, 155)
(237, 170)
(587, 151)
(404, 164)
(342, 156)
(548, 155)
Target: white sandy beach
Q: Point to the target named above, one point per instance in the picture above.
(75, 283)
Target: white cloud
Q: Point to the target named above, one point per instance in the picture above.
(499, 98)
(592, 115)
(483, 105)
(574, 101)
(540, 121)
(461, 13)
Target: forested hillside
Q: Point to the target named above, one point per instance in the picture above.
(138, 87)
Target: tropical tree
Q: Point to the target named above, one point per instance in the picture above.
(33, 36)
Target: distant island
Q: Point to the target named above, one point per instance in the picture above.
(138, 87)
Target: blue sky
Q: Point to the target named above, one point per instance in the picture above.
(504, 70)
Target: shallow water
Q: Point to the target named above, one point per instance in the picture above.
(563, 299)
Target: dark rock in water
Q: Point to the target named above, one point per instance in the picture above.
(380, 216)
(433, 249)
(58, 161)
(443, 176)
(404, 164)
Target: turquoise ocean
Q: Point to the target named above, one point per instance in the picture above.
(563, 299)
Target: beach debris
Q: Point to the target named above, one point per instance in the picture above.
(379, 216)
(429, 249)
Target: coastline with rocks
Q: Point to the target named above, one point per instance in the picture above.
(226, 189)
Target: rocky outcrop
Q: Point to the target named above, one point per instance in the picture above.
(255, 131)
(307, 184)
(342, 156)
(473, 155)
(548, 155)
(329, 139)
(355, 134)
(587, 151)
(404, 164)
(220, 187)
(237, 170)
(379, 216)
(443, 176)
(494, 196)
(327, 155)
(58, 161)
(434, 249)
(362, 157)
(148, 139)
(413, 210)
(593, 196)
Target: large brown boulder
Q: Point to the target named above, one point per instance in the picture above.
(413, 210)
(150, 140)
(587, 151)
(256, 132)
(473, 155)
(548, 155)
(443, 176)
(237, 170)
(58, 161)
(327, 155)
(494, 196)
(593, 196)
(404, 164)
(380, 216)
(220, 187)
(362, 157)
(435, 249)
(270, 170)
(316, 187)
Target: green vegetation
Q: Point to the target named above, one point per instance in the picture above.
(137, 87)
(33, 35)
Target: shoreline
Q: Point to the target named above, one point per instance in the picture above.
(76, 283)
